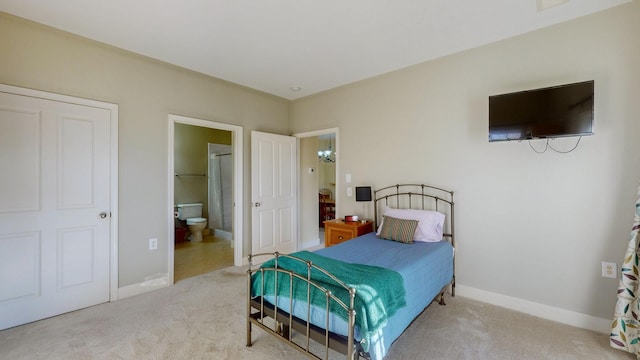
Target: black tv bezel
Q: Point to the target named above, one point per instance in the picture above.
(550, 136)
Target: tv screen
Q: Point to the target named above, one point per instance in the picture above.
(565, 110)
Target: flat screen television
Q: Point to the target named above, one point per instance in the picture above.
(564, 110)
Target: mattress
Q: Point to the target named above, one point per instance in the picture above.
(425, 268)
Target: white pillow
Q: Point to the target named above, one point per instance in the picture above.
(430, 223)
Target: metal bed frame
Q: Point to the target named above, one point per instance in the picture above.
(280, 323)
(422, 197)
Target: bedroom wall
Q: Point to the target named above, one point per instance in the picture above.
(530, 226)
(39, 57)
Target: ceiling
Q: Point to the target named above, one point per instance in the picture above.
(295, 48)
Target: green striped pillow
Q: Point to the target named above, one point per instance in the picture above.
(398, 229)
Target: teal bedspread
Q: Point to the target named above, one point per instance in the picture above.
(379, 292)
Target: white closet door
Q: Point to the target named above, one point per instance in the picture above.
(54, 208)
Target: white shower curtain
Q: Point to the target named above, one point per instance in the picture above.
(216, 193)
(625, 329)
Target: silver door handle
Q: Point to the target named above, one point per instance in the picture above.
(103, 215)
(257, 204)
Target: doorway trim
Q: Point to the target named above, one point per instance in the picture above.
(315, 133)
(236, 143)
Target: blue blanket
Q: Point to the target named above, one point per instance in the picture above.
(379, 292)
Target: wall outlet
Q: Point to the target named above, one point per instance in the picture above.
(349, 191)
(609, 270)
(153, 244)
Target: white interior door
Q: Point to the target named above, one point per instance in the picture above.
(273, 193)
(54, 186)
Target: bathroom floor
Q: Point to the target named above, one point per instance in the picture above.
(195, 258)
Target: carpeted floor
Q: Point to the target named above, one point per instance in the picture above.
(203, 317)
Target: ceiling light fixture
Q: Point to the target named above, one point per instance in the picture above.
(328, 155)
(295, 88)
(546, 4)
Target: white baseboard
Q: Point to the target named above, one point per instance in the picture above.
(312, 245)
(150, 284)
(536, 309)
(222, 234)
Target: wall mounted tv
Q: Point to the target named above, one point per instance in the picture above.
(564, 110)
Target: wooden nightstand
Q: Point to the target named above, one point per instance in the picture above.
(337, 231)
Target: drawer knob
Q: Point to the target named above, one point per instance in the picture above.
(340, 237)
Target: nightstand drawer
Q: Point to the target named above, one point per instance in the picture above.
(337, 231)
(336, 236)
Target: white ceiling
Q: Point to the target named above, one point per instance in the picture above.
(274, 45)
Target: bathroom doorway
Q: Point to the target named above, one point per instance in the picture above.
(205, 168)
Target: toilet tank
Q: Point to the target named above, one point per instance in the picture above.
(186, 211)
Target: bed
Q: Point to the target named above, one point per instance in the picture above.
(356, 298)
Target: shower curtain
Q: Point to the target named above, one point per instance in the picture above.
(625, 329)
(216, 193)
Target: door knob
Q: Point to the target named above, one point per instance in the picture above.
(257, 204)
(103, 215)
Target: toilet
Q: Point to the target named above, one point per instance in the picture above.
(192, 214)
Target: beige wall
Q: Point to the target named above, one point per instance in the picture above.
(530, 226)
(38, 57)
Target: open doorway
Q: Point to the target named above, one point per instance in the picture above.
(205, 196)
(318, 158)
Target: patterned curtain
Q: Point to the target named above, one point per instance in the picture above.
(625, 329)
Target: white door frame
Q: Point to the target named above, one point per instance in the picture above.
(236, 142)
(113, 170)
(308, 134)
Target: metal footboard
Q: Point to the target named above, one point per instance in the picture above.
(283, 323)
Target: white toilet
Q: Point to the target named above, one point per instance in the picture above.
(192, 214)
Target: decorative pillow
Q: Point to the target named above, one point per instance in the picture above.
(430, 223)
(399, 230)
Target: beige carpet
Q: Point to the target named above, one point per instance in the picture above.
(203, 317)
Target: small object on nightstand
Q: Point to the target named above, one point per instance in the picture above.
(348, 218)
(337, 231)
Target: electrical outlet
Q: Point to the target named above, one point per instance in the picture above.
(349, 191)
(153, 244)
(609, 270)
